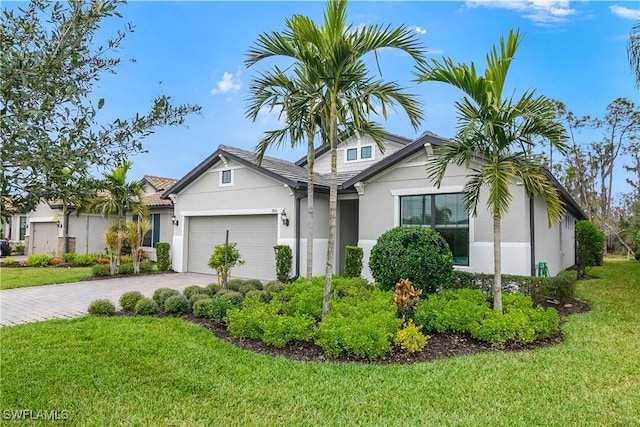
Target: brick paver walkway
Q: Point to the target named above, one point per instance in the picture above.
(37, 303)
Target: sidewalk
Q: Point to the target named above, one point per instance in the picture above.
(65, 301)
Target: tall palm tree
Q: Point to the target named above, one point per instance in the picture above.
(296, 98)
(633, 51)
(334, 54)
(494, 139)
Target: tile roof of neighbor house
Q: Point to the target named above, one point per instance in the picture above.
(159, 183)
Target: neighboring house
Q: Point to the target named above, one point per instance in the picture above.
(265, 205)
(14, 225)
(45, 227)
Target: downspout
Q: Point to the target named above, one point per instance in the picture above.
(66, 231)
(297, 240)
(532, 233)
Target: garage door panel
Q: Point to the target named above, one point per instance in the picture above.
(44, 238)
(255, 236)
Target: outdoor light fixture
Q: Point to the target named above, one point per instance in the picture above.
(283, 217)
(59, 224)
(174, 220)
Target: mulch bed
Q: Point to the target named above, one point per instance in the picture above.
(439, 346)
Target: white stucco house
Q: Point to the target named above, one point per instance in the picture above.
(44, 229)
(265, 205)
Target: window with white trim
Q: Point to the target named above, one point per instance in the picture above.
(446, 214)
(226, 177)
(364, 152)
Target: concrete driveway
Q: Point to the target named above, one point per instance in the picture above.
(65, 301)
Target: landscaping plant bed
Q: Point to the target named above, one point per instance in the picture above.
(439, 346)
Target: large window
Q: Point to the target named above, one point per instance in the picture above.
(152, 236)
(360, 153)
(446, 214)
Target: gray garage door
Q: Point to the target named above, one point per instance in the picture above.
(44, 238)
(255, 235)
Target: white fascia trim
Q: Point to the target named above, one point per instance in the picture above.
(228, 212)
(44, 219)
(427, 190)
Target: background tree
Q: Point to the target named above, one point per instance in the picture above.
(334, 53)
(633, 51)
(52, 56)
(494, 140)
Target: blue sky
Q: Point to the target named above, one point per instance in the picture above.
(573, 51)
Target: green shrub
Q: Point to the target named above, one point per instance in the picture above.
(234, 284)
(102, 307)
(410, 339)
(125, 268)
(418, 254)
(364, 326)
(246, 287)
(523, 325)
(274, 286)
(303, 298)
(197, 297)
(146, 307)
(8, 261)
(212, 308)
(17, 249)
(69, 257)
(160, 295)
(589, 246)
(213, 288)
(452, 310)
(461, 279)
(262, 321)
(85, 260)
(263, 295)
(234, 297)
(193, 289)
(101, 270)
(145, 266)
(257, 284)
(284, 256)
(126, 259)
(38, 260)
(128, 300)
(177, 304)
(353, 261)
(163, 255)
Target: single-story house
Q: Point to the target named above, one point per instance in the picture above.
(265, 205)
(44, 229)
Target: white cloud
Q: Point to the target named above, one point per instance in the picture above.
(230, 83)
(419, 30)
(542, 12)
(624, 12)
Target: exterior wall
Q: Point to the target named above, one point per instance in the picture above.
(554, 245)
(381, 196)
(320, 234)
(250, 193)
(323, 163)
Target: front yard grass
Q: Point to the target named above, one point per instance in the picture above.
(37, 276)
(152, 371)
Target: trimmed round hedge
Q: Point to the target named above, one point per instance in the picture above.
(129, 299)
(418, 254)
(102, 307)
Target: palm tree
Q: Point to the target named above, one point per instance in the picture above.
(297, 99)
(119, 197)
(633, 51)
(494, 139)
(333, 54)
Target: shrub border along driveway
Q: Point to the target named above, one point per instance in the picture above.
(65, 301)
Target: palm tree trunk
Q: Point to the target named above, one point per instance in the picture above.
(310, 161)
(497, 265)
(333, 204)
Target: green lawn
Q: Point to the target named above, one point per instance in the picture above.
(150, 371)
(37, 276)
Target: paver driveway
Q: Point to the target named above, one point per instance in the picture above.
(37, 303)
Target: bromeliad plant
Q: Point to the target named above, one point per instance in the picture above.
(407, 298)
